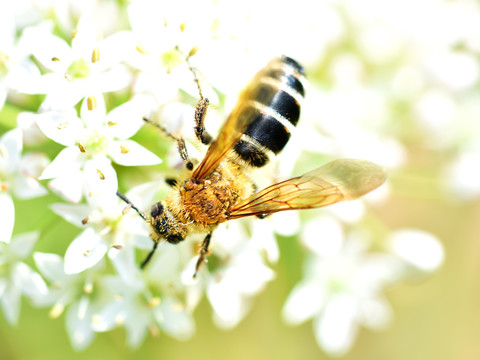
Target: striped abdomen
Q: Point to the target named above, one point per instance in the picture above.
(273, 100)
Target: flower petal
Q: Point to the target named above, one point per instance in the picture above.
(7, 214)
(419, 248)
(305, 300)
(10, 302)
(10, 150)
(336, 329)
(51, 266)
(68, 161)
(63, 127)
(31, 283)
(74, 214)
(22, 245)
(84, 252)
(78, 324)
(125, 120)
(129, 153)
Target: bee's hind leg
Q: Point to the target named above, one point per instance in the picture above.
(203, 253)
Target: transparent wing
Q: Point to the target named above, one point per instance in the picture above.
(231, 132)
(339, 180)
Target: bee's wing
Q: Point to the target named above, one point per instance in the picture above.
(339, 180)
(231, 132)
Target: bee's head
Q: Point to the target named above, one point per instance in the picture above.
(164, 224)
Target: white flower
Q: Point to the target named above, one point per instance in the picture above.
(92, 143)
(16, 69)
(107, 229)
(143, 303)
(343, 282)
(16, 277)
(89, 66)
(18, 177)
(235, 273)
(72, 291)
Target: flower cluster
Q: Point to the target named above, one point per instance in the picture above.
(81, 85)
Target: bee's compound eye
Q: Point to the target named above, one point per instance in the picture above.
(157, 210)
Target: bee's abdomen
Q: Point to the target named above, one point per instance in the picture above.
(271, 103)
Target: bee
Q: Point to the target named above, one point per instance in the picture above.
(259, 126)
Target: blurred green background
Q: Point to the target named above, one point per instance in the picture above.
(435, 317)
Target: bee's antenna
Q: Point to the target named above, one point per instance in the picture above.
(182, 149)
(129, 203)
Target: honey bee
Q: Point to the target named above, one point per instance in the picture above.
(259, 126)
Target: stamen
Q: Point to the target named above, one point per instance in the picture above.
(62, 125)
(88, 288)
(91, 103)
(56, 311)
(182, 27)
(95, 55)
(124, 149)
(153, 302)
(100, 174)
(141, 49)
(81, 147)
(192, 51)
(85, 220)
(56, 59)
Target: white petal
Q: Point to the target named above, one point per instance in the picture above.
(74, 214)
(124, 262)
(63, 127)
(25, 78)
(137, 327)
(324, 236)
(27, 187)
(31, 132)
(10, 150)
(3, 95)
(68, 161)
(100, 180)
(228, 304)
(10, 302)
(84, 252)
(31, 283)
(69, 186)
(127, 118)
(22, 245)
(420, 248)
(84, 42)
(175, 321)
(113, 79)
(51, 266)
(264, 240)
(305, 300)
(53, 52)
(107, 318)
(78, 326)
(7, 214)
(114, 48)
(129, 153)
(376, 313)
(62, 93)
(336, 329)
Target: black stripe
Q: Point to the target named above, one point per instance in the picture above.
(293, 63)
(267, 131)
(288, 79)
